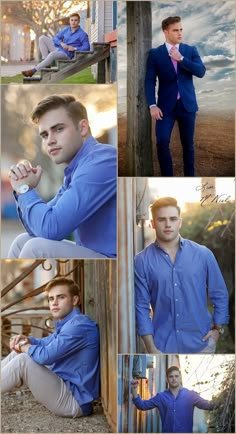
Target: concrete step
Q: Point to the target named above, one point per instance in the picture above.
(101, 44)
(45, 71)
(71, 67)
(66, 67)
(34, 79)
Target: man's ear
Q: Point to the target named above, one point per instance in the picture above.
(153, 224)
(75, 300)
(84, 127)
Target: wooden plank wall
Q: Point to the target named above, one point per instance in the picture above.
(100, 303)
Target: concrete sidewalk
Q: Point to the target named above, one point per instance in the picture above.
(9, 70)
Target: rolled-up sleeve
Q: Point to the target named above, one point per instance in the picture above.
(142, 300)
(217, 290)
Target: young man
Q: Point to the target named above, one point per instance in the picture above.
(61, 370)
(176, 404)
(175, 277)
(86, 202)
(63, 46)
(174, 64)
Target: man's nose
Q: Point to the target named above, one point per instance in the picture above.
(167, 223)
(55, 302)
(51, 139)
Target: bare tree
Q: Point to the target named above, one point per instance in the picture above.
(42, 16)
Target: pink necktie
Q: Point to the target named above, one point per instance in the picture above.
(175, 66)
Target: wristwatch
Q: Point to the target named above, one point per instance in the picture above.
(219, 328)
(23, 189)
(22, 342)
(181, 58)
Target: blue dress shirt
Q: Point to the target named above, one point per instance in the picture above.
(178, 293)
(72, 353)
(78, 39)
(85, 204)
(176, 412)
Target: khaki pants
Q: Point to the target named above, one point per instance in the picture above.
(47, 388)
(25, 246)
(49, 52)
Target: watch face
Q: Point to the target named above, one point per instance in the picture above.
(23, 188)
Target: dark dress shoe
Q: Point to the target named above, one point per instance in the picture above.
(28, 73)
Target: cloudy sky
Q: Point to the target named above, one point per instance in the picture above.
(209, 25)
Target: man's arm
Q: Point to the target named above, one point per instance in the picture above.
(149, 344)
(142, 306)
(202, 403)
(142, 404)
(30, 340)
(150, 80)
(59, 37)
(70, 339)
(82, 44)
(90, 190)
(217, 290)
(193, 65)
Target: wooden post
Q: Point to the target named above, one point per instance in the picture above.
(139, 42)
(101, 73)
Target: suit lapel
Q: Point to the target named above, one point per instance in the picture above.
(166, 57)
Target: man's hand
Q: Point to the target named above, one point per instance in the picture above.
(149, 344)
(67, 47)
(70, 48)
(16, 339)
(24, 173)
(134, 388)
(22, 348)
(175, 54)
(213, 333)
(156, 113)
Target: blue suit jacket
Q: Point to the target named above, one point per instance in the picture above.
(159, 65)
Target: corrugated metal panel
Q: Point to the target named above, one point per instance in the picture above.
(100, 303)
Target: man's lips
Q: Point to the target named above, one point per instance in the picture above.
(54, 150)
(55, 309)
(168, 232)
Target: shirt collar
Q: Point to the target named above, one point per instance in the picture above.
(181, 242)
(59, 323)
(78, 28)
(84, 150)
(179, 391)
(169, 46)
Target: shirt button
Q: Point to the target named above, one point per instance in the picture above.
(177, 314)
(176, 299)
(175, 284)
(177, 331)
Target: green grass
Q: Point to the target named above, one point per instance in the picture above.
(84, 76)
(14, 79)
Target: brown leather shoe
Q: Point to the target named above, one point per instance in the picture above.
(28, 73)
